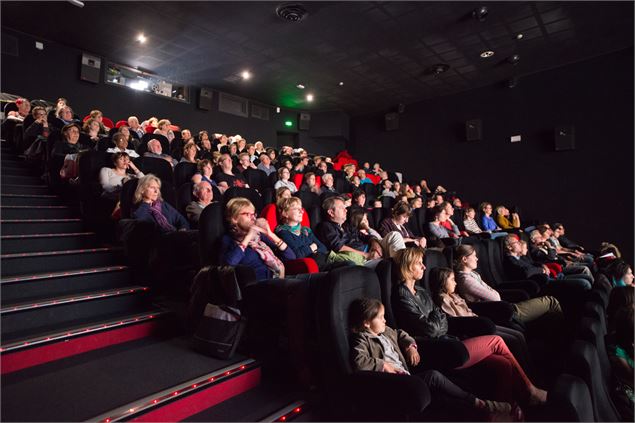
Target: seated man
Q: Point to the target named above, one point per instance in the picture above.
(121, 145)
(133, 124)
(203, 196)
(566, 253)
(155, 150)
(244, 162)
(226, 175)
(339, 241)
(327, 183)
(363, 179)
(505, 219)
(265, 164)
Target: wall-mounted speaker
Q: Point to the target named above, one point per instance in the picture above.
(391, 121)
(474, 130)
(90, 68)
(304, 123)
(205, 99)
(564, 136)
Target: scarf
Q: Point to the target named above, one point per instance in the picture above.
(272, 262)
(296, 229)
(159, 217)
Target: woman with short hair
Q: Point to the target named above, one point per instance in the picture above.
(150, 207)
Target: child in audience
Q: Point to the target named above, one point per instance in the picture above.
(377, 347)
(470, 223)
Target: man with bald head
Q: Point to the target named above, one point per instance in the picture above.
(155, 150)
(203, 197)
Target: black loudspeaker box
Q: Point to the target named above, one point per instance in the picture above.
(564, 136)
(205, 99)
(304, 123)
(474, 130)
(391, 121)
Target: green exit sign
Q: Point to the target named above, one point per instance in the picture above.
(288, 123)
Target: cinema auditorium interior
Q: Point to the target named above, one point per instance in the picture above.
(317, 211)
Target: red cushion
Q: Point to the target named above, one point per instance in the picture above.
(121, 123)
(297, 180)
(303, 265)
(107, 122)
(318, 181)
(150, 129)
(376, 179)
(270, 214)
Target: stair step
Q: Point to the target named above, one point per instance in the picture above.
(34, 287)
(23, 320)
(17, 171)
(11, 244)
(24, 263)
(23, 180)
(264, 403)
(29, 199)
(25, 189)
(99, 385)
(38, 226)
(37, 212)
(51, 346)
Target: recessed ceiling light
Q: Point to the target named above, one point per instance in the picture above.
(519, 36)
(300, 86)
(245, 74)
(480, 13)
(341, 83)
(514, 59)
(277, 109)
(486, 54)
(141, 38)
(309, 97)
(437, 69)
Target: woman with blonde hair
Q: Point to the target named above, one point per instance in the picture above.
(251, 242)
(150, 207)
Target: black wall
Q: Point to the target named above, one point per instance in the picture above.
(54, 72)
(589, 189)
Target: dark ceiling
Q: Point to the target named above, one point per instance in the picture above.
(380, 50)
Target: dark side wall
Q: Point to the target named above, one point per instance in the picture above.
(54, 72)
(589, 189)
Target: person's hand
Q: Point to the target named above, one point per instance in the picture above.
(262, 223)
(412, 355)
(313, 247)
(422, 242)
(133, 167)
(388, 368)
(545, 269)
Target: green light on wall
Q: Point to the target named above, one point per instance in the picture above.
(288, 123)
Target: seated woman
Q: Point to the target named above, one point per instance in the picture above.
(397, 222)
(283, 180)
(507, 220)
(92, 130)
(487, 222)
(121, 140)
(436, 228)
(205, 146)
(203, 197)
(470, 223)
(251, 242)
(150, 207)
(619, 273)
(309, 184)
(379, 348)
(99, 117)
(474, 289)
(189, 153)
(112, 179)
(360, 233)
(416, 313)
(300, 239)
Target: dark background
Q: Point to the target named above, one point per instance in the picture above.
(589, 189)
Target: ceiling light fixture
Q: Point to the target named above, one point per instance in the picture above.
(486, 54)
(341, 84)
(309, 98)
(245, 75)
(277, 109)
(519, 36)
(76, 3)
(437, 69)
(142, 38)
(292, 12)
(300, 86)
(480, 13)
(514, 59)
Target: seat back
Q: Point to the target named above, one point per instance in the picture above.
(184, 196)
(309, 199)
(256, 179)
(592, 331)
(249, 193)
(339, 290)
(183, 173)
(211, 228)
(126, 197)
(570, 400)
(159, 168)
(431, 260)
(583, 362)
(384, 271)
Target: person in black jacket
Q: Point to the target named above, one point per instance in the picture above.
(418, 315)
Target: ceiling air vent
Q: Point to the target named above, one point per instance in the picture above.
(292, 12)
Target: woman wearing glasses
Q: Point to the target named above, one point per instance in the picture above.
(251, 242)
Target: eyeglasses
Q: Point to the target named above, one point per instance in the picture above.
(250, 214)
